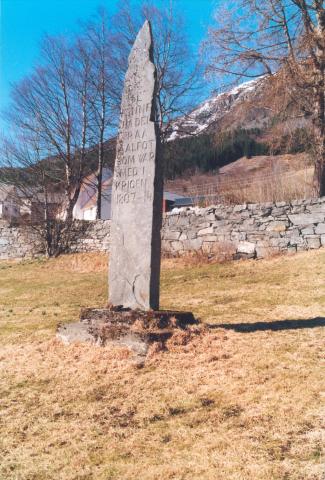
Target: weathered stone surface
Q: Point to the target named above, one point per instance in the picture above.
(313, 241)
(246, 247)
(183, 220)
(238, 236)
(277, 226)
(137, 187)
(74, 333)
(276, 212)
(279, 242)
(240, 208)
(222, 227)
(172, 235)
(210, 238)
(263, 251)
(205, 231)
(306, 218)
(308, 230)
(320, 228)
(318, 208)
(193, 244)
(134, 329)
(294, 241)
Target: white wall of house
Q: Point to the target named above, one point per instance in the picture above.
(89, 214)
(78, 213)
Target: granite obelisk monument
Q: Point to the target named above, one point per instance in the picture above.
(137, 193)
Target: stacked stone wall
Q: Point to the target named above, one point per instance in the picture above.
(90, 236)
(25, 242)
(19, 242)
(248, 230)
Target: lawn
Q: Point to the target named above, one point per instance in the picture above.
(243, 400)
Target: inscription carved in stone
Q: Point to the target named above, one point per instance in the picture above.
(137, 187)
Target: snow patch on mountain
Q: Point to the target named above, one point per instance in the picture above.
(212, 110)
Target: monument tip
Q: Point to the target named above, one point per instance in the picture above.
(146, 30)
(146, 24)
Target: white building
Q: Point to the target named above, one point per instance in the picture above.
(86, 206)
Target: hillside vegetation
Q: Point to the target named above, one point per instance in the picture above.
(261, 178)
(241, 401)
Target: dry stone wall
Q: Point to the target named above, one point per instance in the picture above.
(90, 236)
(25, 242)
(248, 230)
(18, 242)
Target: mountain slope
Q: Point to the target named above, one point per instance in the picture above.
(236, 108)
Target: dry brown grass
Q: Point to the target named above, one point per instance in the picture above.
(218, 252)
(79, 262)
(230, 404)
(277, 187)
(256, 180)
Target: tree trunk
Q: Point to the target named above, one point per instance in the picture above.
(69, 213)
(319, 174)
(100, 176)
(319, 135)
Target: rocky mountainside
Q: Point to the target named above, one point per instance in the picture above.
(237, 108)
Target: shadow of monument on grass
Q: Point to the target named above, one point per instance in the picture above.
(274, 326)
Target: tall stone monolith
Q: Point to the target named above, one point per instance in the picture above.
(134, 267)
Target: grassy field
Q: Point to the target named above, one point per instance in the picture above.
(242, 401)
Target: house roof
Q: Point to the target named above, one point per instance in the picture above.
(183, 202)
(32, 194)
(87, 196)
(172, 196)
(189, 201)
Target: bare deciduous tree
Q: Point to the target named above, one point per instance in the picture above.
(285, 41)
(36, 192)
(53, 103)
(50, 127)
(105, 91)
(178, 72)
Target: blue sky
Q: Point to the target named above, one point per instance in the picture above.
(24, 22)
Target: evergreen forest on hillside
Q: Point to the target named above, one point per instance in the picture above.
(198, 153)
(206, 153)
